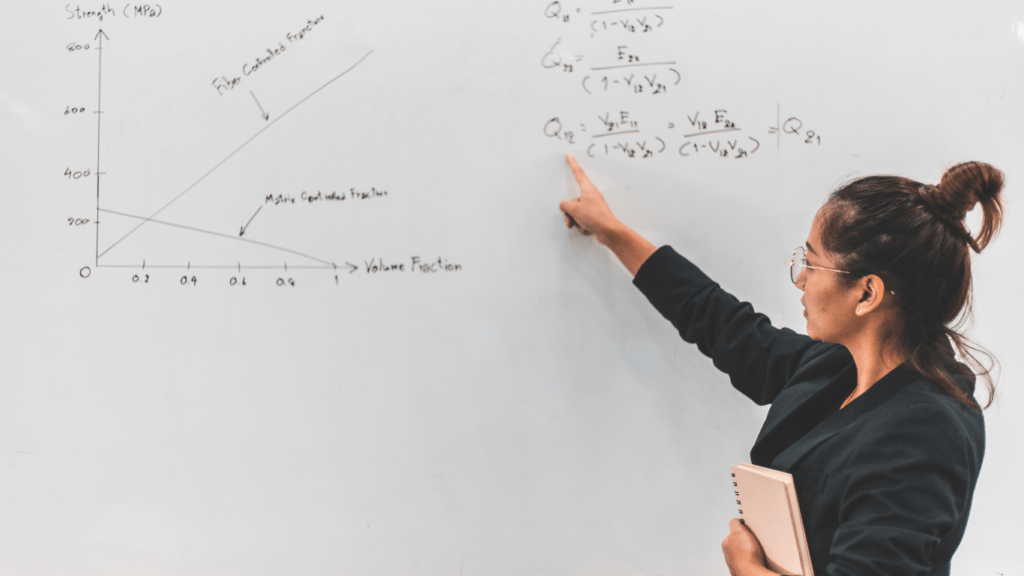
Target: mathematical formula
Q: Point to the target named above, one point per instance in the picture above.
(709, 134)
(613, 60)
(610, 20)
(613, 23)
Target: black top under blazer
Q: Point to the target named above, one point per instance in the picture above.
(884, 484)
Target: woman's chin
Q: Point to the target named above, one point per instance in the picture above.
(813, 333)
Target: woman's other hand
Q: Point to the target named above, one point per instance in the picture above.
(742, 551)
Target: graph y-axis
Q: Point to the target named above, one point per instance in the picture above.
(99, 116)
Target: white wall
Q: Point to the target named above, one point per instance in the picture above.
(529, 413)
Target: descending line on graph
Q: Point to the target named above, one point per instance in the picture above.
(222, 235)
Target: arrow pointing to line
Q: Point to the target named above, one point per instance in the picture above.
(96, 37)
(265, 115)
(242, 233)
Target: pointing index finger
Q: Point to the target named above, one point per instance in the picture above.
(581, 176)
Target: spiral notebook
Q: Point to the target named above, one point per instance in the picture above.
(768, 506)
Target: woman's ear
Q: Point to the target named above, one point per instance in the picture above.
(872, 292)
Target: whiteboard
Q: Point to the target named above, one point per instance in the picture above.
(299, 299)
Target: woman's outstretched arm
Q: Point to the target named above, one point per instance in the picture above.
(758, 357)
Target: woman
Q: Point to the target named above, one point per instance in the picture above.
(871, 412)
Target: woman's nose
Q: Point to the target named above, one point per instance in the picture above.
(801, 278)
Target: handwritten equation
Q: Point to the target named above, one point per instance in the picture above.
(612, 20)
(622, 133)
(610, 65)
(604, 47)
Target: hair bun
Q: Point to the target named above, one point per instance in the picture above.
(965, 185)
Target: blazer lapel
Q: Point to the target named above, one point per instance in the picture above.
(879, 393)
(787, 407)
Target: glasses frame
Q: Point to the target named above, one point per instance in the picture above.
(793, 264)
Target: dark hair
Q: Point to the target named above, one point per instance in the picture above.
(914, 238)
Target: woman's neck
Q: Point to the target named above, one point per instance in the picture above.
(873, 362)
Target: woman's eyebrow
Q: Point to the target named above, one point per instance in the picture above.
(808, 244)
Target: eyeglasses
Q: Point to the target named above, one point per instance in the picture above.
(799, 262)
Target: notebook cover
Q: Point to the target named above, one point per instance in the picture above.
(769, 508)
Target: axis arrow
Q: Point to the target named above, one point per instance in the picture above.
(100, 35)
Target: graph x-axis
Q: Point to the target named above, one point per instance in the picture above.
(239, 267)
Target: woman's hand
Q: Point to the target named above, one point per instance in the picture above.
(590, 213)
(742, 551)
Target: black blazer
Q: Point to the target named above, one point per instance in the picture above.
(885, 484)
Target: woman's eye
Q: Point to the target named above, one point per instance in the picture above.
(804, 262)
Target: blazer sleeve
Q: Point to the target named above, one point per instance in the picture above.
(908, 486)
(759, 358)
